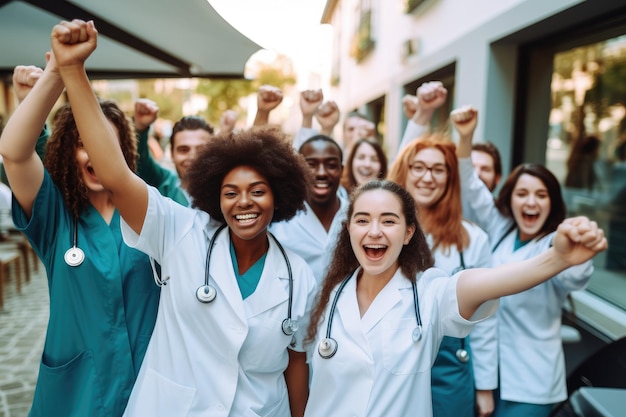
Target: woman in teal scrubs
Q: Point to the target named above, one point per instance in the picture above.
(103, 309)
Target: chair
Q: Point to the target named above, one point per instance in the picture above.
(9, 257)
(606, 368)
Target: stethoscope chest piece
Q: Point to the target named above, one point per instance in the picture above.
(417, 334)
(327, 347)
(206, 293)
(74, 256)
(462, 355)
(290, 326)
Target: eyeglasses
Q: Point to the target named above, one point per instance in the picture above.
(438, 171)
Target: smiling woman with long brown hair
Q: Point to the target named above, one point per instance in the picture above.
(383, 311)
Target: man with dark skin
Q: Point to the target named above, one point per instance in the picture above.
(312, 234)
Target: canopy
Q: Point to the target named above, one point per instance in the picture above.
(137, 38)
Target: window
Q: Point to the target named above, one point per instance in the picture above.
(363, 38)
(586, 148)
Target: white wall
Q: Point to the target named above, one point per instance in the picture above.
(448, 31)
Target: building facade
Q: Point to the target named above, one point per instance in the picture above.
(548, 79)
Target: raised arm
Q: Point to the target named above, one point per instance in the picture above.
(577, 240)
(228, 122)
(421, 108)
(146, 112)
(72, 43)
(464, 120)
(268, 98)
(24, 79)
(24, 168)
(327, 116)
(476, 199)
(310, 102)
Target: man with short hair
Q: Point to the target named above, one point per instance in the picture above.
(312, 234)
(188, 135)
(487, 163)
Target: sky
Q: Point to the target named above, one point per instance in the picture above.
(291, 27)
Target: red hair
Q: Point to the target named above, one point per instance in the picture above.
(442, 220)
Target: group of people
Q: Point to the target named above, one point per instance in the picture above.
(263, 280)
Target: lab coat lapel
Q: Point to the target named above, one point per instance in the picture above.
(273, 287)
(347, 313)
(386, 299)
(222, 274)
(313, 226)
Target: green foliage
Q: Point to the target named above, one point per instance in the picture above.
(221, 94)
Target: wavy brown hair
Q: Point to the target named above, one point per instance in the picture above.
(266, 150)
(444, 219)
(60, 160)
(414, 257)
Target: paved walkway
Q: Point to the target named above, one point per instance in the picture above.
(22, 331)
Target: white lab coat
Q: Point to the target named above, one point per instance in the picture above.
(412, 131)
(378, 370)
(483, 339)
(305, 235)
(532, 365)
(225, 358)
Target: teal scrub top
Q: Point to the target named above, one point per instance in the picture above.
(102, 312)
(450, 379)
(164, 180)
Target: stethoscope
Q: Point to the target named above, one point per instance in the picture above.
(74, 256)
(461, 353)
(206, 293)
(328, 346)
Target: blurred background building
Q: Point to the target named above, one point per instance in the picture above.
(548, 79)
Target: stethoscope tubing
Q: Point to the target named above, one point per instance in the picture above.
(207, 293)
(74, 256)
(328, 346)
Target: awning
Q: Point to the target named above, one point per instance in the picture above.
(137, 38)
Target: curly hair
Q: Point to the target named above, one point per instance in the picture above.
(267, 151)
(414, 257)
(347, 179)
(557, 204)
(444, 219)
(60, 160)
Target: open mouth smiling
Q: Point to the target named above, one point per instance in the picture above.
(375, 251)
(246, 218)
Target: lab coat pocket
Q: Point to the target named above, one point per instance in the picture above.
(401, 355)
(71, 389)
(157, 395)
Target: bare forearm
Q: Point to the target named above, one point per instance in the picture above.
(297, 380)
(262, 118)
(96, 132)
(24, 127)
(464, 148)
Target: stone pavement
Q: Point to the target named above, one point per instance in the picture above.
(22, 331)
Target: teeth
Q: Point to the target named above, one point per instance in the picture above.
(375, 246)
(322, 185)
(246, 216)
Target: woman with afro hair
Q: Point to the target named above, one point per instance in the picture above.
(220, 345)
